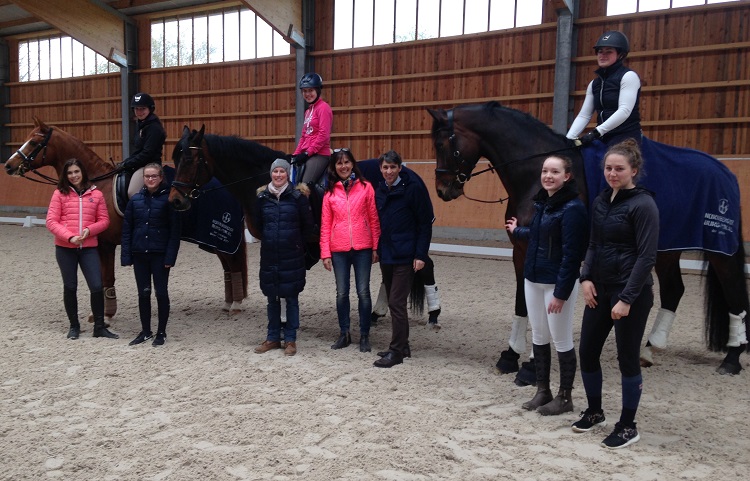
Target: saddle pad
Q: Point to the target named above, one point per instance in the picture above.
(697, 195)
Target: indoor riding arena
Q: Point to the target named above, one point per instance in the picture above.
(205, 406)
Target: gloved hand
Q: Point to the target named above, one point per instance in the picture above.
(300, 158)
(124, 167)
(590, 137)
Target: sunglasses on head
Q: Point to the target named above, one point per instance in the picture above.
(336, 151)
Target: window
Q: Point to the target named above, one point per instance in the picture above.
(59, 57)
(363, 23)
(620, 7)
(220, 36)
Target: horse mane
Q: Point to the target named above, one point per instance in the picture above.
(93, 157)
(243, 150)
(494, 108)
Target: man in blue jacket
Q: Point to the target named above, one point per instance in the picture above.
(406, 230)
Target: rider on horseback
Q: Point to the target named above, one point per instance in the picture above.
(614, 94)
(148, 142)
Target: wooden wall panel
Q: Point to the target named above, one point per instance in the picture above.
(694, 64)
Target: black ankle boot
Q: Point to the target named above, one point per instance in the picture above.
(364, 343)
(344, 340)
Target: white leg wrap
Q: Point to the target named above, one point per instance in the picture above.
(381, 305)
(517, 340)
(737, 330)
(662, 326)
(433, 298)
(283, 309)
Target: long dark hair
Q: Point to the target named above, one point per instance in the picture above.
(333, 176)
(63, 185)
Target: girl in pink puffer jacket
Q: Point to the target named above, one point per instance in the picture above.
(77, 214)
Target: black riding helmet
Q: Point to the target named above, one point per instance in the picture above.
(616, 40)
(311, 81)
(143, 100)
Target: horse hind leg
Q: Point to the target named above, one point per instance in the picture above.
(671, 290)
(238, 292)
(658, 337)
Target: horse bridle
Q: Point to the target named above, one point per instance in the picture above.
(26, 160)
(194, 188)
(461, 177)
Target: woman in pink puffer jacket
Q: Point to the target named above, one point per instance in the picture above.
(77, 214)
(349, 234)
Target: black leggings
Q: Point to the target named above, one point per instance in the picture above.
(597, 323)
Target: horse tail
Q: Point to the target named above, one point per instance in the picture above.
(717, 287)
(416, 294)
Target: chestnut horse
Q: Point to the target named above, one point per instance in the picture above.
(51, 146)
(516, 144)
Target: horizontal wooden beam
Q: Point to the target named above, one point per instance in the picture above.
(101, 30)
(283, 15)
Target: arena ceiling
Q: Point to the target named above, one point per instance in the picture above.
(100, 24)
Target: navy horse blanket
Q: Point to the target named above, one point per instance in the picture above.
(698, 197)
(215, 221)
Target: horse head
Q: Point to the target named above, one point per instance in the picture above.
(457, 152)
(26, 158)
(192, 170)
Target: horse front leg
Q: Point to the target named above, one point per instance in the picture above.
(508, 362)
(107, 263)
(671, 290)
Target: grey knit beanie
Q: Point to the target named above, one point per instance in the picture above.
(280, 163)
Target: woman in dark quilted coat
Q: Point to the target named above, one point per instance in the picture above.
(284, 217)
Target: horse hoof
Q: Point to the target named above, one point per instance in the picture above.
(729, 368)
(508, 362)
(526, 375)
(506, 366)
(422, 322)
(435, 326)
(647, 357)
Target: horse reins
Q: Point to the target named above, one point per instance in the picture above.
(462, 178)
(195, 190)
(26, 161)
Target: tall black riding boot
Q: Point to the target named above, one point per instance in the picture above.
(70, 300)
(563, 403)
(542, 363)
(97, 307)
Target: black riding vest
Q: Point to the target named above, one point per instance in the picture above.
(606, 90)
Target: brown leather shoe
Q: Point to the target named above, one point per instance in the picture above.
(268, 346)
(290, 349)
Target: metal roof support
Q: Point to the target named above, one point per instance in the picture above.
(5, 151)
(562, 103)
(128, 87)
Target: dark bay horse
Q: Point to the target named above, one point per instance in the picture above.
(241, 165)
(51, 146)
(516, 144)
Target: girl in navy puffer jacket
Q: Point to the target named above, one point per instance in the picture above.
(150, 241)
(557, 242)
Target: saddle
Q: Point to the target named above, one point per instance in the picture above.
(120, 184)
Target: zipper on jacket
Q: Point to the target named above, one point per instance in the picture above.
(80, 217)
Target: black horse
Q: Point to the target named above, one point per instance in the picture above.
(517, 144)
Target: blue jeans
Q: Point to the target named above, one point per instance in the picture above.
(342, 264)
(274, 319)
